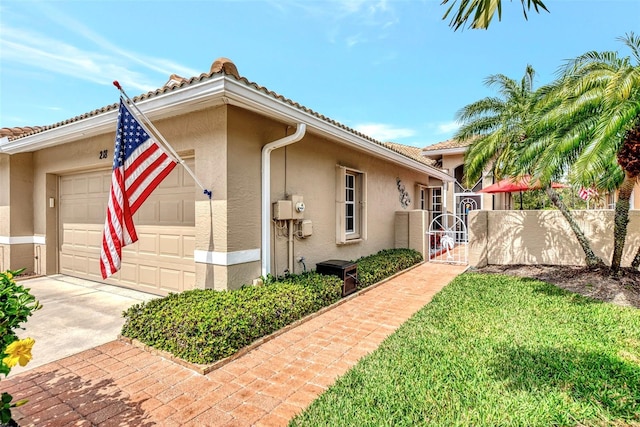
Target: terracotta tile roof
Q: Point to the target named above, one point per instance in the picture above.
(16, 132)
(413, 152)
(227, 67)
(450, 143)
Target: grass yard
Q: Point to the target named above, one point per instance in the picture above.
(493, 350)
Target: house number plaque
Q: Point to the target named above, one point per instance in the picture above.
(103, 154)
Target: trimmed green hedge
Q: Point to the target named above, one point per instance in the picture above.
(204, 325)
(386, 263)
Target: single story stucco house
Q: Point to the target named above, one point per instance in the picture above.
(291, 188)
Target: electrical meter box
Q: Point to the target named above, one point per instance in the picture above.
(297, 205)
(282, 210)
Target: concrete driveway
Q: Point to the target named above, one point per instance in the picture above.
(77, 315)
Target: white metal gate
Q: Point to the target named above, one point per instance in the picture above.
(466, 203)
(448, 240)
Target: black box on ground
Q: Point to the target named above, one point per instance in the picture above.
(347, 271)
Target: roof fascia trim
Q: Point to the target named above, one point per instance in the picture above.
(444, 151)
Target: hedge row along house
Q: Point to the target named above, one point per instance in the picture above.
(291, 188)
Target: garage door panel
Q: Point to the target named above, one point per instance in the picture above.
(173, 181)
(170, 211)
(189, 280)
(188, 246)
(93, 267)
(80, 264)
(128, 273)
(96, 211)
(80, 186)
(79, 238)
(148, 213)
(148, 275)
(162, 259)
(147, 244)
(94, 240)
(170, 245)
(95, 185)
(170, 279)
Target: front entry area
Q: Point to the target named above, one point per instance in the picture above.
(448, 240)
(162, 259)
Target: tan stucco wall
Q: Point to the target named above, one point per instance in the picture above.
(450, 163)
(21, 194)
(16, 213)
(489, 201)
(4, 179)
(311, 172)
(5, 222)
(226, 142)
(543, 237)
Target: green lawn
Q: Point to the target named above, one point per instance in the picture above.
(493, 350)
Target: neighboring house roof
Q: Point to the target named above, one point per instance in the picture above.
(409, 151)
(450, 146)
(222, 85)
(11, 133)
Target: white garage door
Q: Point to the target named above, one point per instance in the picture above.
(162, 259)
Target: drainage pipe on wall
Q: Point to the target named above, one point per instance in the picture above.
(266, 192)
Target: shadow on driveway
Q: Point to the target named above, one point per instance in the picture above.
(77, 315)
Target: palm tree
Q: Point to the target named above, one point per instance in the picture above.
(597, 115)
(499, 128)
(483, 11)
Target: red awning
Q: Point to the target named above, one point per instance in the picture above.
(515, 185)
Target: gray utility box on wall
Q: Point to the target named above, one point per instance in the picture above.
(347, 271)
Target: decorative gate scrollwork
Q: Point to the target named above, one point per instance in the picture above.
(448, 240)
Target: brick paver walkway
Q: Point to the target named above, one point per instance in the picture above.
(119, 384)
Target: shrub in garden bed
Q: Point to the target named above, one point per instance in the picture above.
(386, 263)
(204, 325)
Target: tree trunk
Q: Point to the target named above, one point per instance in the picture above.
(621, 220)
(590, 258)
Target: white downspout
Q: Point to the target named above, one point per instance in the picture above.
(266, 192)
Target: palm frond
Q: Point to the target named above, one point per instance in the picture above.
(483, 11)
(633, 42)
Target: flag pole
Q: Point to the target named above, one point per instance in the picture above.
(164, 141)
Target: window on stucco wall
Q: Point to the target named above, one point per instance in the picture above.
(351, 205)
(422, 197)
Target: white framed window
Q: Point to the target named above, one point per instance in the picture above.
(436, 199)
(422, 196)
(351, 205)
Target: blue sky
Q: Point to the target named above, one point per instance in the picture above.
(393, 70)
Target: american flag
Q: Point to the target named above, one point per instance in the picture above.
(587, 193)
(139, 166)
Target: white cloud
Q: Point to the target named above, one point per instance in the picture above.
(354, 40)
(384, 132)
(448, 127)
(51, 55)
(101, 62)
(349, 22)
(158, 65)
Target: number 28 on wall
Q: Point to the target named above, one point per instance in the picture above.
(103, 154)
